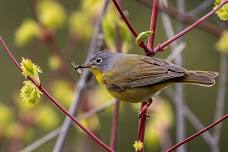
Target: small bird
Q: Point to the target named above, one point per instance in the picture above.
(135, 78)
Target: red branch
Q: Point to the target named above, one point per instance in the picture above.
(186, 19)
(198, 133)
(125, 18)
(142, 45)
(145, 105)
(185, 31)
(160, 47)
(53, 100)
(153, 24)
(142, 124)
(115, 122)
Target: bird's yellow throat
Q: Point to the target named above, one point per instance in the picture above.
(97, 73)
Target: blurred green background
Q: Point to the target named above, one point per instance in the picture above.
(200, 53)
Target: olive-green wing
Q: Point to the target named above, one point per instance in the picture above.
(141, 71)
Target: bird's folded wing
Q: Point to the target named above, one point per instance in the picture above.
(143, 72)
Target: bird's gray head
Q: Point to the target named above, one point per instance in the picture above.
(101, 60)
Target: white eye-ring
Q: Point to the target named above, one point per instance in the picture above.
(98, 60)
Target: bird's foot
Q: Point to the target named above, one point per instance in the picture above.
(144, 109)
(140, 114)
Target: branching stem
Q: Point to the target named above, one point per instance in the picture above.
(53, 100)
(161, 46)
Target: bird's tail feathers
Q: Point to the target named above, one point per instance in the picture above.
(201, 78)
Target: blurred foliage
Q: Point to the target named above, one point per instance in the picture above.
(27, 31)
(92, 123)
(46, 118)
(81, 21)
(19, 131)
(114, 28)
(51, 13)
(78, 25)
(109, 29)
(62, 91)
(54, 62)
(160, 122)
(6, 118)
(98, 96)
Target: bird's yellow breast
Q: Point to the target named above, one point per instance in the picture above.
(98, 74)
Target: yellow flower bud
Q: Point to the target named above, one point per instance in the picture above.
(222, 13)
(29, 92)
(138, 145)
(30, 69)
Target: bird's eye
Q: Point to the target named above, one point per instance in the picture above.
(98, 60)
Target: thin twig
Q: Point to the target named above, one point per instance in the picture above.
(186, 19)
(73, 108)
(197, 124)
(161, 46)
(201, 7)
(41, 141)
(142, 45)
(82, 82)
(125, 18)
(220, 102)
(176, 51)
(179, 94)
(142, 124)
(115, 123)
(36, 144)
(191, 117)
(198, 133)
(52, 99)
(166, 140)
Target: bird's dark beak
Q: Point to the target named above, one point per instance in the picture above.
(76, 67)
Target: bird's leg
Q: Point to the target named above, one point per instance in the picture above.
(149, 102)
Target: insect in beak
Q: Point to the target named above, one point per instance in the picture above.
(80, 67)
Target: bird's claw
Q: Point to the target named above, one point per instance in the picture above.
(140, 114)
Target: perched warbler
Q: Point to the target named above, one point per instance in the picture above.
(135, 78)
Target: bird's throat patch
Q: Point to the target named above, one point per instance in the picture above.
(98, 74)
